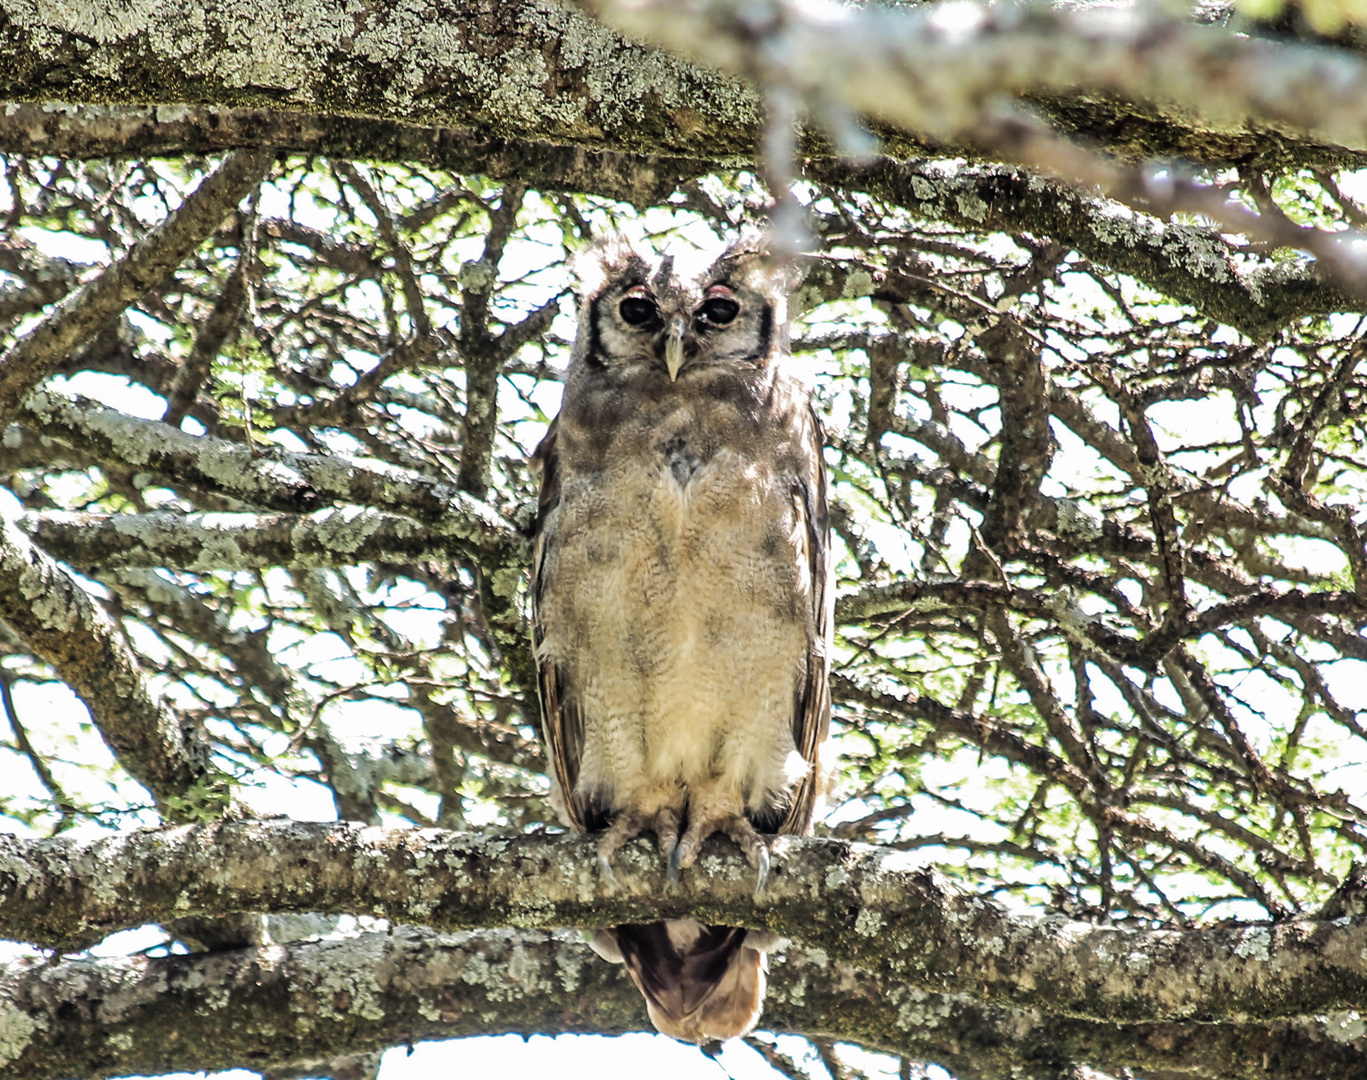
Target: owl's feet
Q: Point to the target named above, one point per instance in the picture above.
(737, 827)
(628, 825)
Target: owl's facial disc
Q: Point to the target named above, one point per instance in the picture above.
(670, 326)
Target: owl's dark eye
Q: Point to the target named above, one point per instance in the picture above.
(719, 310)
(637, 310)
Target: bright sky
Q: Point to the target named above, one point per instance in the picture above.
(510, 1057)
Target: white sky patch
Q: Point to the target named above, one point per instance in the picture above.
(114, 391)
(273, 795)
(510, 1057)
(65, 245)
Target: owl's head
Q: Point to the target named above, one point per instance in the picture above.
(635, 309)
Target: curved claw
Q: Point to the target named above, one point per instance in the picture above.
(763, 866)
(609, 875)
(672, 874)
(666, 827)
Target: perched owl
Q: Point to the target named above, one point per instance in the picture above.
(681, 609)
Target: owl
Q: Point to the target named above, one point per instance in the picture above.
(681, 606)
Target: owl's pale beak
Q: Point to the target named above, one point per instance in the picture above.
(674, 350)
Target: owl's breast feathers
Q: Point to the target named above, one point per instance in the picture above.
(676, 595)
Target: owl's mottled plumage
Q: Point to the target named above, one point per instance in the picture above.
(681, 609)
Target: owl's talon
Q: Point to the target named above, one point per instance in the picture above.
(763, 867)
(739, 829)
(672, 873)
(753, 844)
(606, 871)
(666, 826)
(628, 825)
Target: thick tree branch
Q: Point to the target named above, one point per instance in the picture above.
(310, 1002)
(1192, 264)
(218, 541)
(461, 65)
(862, 905)
(464, 67)
(92, 131)
(934, 71)
(263, 477)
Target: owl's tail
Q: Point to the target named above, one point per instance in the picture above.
(701, 983)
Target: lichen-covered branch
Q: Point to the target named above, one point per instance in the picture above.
(305, 1003)
(862, 905)
(267, 478)
(224, 541)
(1194, 265)
(934, 71)
(465, 65)
(589, 86)
(93, 131)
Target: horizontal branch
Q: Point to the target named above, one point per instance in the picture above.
(464, 66)
(864, 906)
(344, 536)
(92, 131)
(931, 70)
(1194, 265)
(956, 597)
(311, 1002)
(262, 477)
(461, 65)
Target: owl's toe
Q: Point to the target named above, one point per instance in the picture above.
(666, 826)
(625, 827)
(760, 861)
(738, 828)
(628, 825)
(606, 871)
(753, 844)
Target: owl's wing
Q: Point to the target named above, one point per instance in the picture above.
(562, 724)
(812, 713)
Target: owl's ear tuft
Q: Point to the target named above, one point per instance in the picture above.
(608, 259)
(750, 262)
